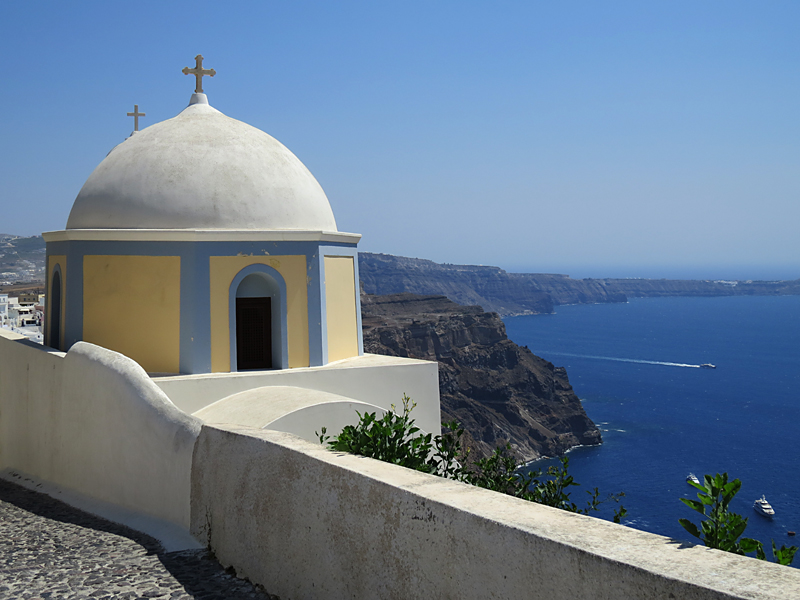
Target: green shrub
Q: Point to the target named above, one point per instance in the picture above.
(502, 473)
(392, 438)
(721, 528)
(395, 438)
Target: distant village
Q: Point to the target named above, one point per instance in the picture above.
(23, 314)
(21, 281)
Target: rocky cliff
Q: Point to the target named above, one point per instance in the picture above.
(652, 288)
(500, 392)
(529, 293)
(490, 287)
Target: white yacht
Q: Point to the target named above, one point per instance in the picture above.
(763, 507)
(692, 478)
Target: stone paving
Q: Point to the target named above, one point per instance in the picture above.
(51, 550)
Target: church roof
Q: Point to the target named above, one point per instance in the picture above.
(202, 170)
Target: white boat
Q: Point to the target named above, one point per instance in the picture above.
(692, 478)
(763, 507)
(708, 366)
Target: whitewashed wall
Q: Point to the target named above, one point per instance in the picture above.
(93, 422)
(377, 380)
(309, 523)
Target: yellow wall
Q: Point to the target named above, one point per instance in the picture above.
(222, 270)
(52, 261)
(340, 307)
(131, 304)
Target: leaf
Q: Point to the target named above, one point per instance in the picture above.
(690, 527)
(699, 486)
(694, 505)
(749, 545)
(737, 530)
(785, 555)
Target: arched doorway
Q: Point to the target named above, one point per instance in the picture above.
(258, 323)
(54, 327)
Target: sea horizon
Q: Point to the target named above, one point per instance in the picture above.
(789, 272)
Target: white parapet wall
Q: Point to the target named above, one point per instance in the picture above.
(309, 523)
(93, 424)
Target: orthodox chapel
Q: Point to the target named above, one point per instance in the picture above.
(202, 246)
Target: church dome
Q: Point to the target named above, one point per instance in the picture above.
(201, 170)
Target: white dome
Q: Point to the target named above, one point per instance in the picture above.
(201, 170)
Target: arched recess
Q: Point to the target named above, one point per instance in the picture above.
(54, 309)
(250, 284)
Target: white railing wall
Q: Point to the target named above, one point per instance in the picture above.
(309, 523)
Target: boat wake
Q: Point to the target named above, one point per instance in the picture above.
(627, 360)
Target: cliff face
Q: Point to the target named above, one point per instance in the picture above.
(652, 288)
(531, 293)
(498, 391)
(490, 287)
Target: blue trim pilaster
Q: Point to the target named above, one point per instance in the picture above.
(73, 290)
(195, 326)
(317, 338)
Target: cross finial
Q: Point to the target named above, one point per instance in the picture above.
(198, 72)
(136, 114)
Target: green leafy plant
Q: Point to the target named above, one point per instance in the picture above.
(553, 492)
(721, 528)
(496, 472)
(396, 439)
(392, 438)
(450, 455)
(502, 473)
(783, 555)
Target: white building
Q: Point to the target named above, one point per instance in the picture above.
(3, 310)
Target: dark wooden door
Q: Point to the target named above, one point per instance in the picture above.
(253, 333)
(55, 312)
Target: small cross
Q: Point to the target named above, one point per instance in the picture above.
(136, 114)
(198, 72)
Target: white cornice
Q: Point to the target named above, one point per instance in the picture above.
(200, 235)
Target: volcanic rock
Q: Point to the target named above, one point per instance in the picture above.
(500, 392)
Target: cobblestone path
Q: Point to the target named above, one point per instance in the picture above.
(51, 550)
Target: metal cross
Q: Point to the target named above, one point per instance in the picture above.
(198, 72)
(136, 114)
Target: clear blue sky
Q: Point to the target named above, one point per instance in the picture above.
(594, 138)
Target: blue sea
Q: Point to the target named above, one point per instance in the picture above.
(635, 367)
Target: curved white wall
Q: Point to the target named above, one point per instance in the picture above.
(93, 422)
(300, 411)
(376, 380)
